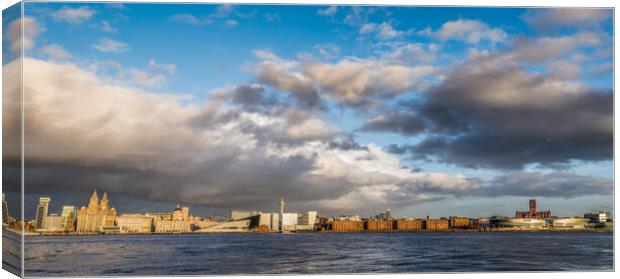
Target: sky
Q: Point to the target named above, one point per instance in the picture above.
(433, 111)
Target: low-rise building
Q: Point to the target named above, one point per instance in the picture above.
(457, 222)
(306, 220)
(572, 223)
(346, 226)
(172, 226)
(268, 222)
(436, 225)
(597, 217)
(408, 225)
(52, 223)
(378, 225)
(134, 223)
(242, 214)
(289, 221)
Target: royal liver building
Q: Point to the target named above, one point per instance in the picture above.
(96, 216)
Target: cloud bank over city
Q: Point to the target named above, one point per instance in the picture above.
(370, 112)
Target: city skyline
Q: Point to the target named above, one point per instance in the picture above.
(341, 109)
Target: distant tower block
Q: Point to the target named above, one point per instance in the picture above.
(42, 208)
(282, 204)
(388, 213)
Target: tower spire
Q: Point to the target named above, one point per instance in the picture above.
(94, 200)
(104, 201)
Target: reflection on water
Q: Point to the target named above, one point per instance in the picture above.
(317, 253)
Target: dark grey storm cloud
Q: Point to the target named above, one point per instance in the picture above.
(506, 118)
(405, 122)
(555, 184)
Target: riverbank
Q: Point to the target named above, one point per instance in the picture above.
(497, 230)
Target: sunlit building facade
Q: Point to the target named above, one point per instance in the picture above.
(97, 216)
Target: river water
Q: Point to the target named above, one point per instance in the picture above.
(304, 253)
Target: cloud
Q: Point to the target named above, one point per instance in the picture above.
(189, 18)
(412, 53)
(276, 72)
(110, 45)
(330, 11)
(469, 31)
(73, 15)
(25, 40)
(161, 147)
(327, 51)
(106, 27)
(168, 68)
(222, 13)
(231, 23)
(554, 184)
(383, 31)
(271, 17)
(482, 116)
(541, 48)
(557, 19)
(55, 51)
(153, 76)
(355, 82)
(405, 122)
(249, 96)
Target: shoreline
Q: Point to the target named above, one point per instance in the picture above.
(328, 232)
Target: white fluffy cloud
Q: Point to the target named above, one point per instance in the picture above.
(55, 51)
(330, 11)
(469, 31)
(110, 45)
(26, 40)
(73, 15)
(383, 31)
(351, 81)
(106, 27)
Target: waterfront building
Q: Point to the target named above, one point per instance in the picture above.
(52, 223)
(180, 213)
(97, 216)
(378, 225)
(42, 210)
(172, 226)
(281, 217)
(199, 223)
(134, 223)
(532, 213)
(346, 225)
(268, 221)
(522, 223)
(68, 218)
(436, 224)
(459, 222)
(231, 226)
(242, 214)
(5, 210)
(408, 225)
(173, 223)
(289, 221)
(573, 223)
(306, 220)
(597, 217)
(185, 212)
